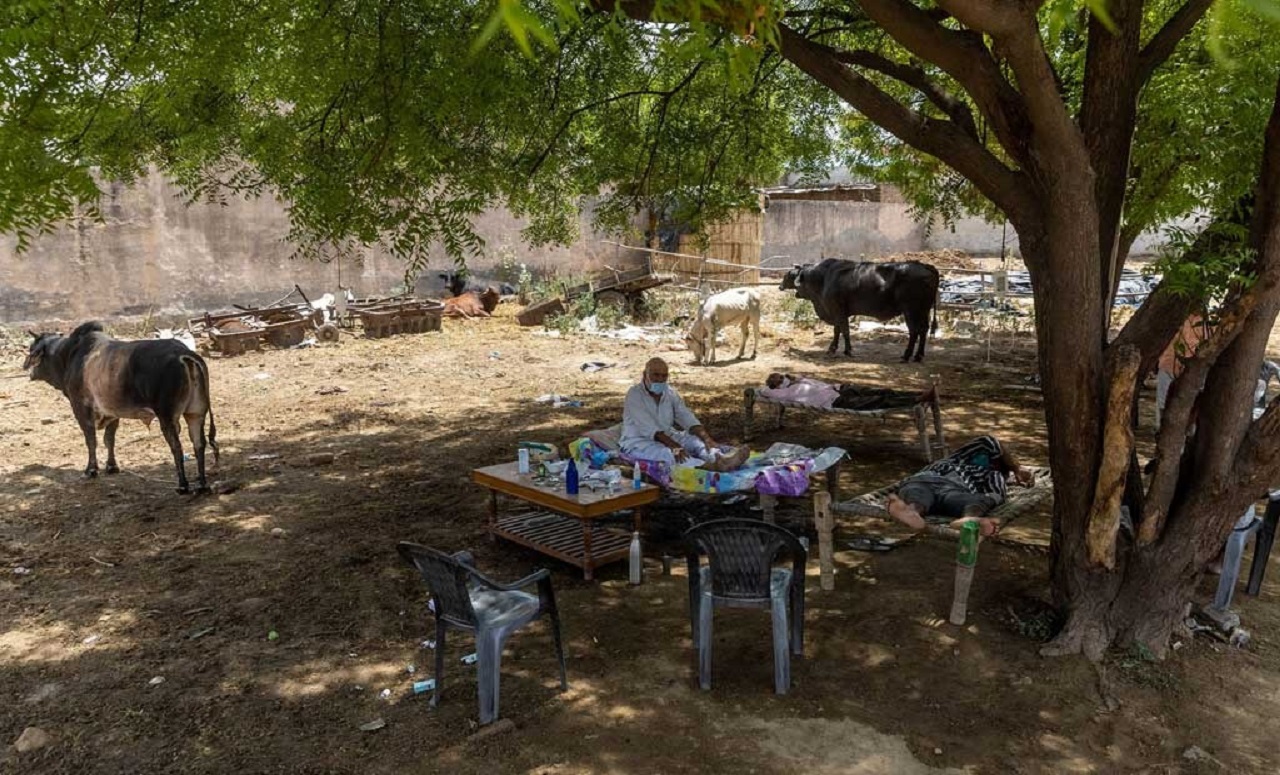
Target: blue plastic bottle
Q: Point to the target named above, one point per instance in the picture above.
(571, 479)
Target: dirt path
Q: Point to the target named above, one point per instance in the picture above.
(129, 582)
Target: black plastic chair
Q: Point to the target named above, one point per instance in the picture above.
(740, 573)
(465, 599)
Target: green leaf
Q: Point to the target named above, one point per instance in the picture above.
(1099, 9)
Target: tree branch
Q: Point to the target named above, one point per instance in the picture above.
(943, 139)
(1163, 43)
(1176, 419)
(918, 79)
(1104, 514)
(964, 56)
(564, 125)
(1058, 143)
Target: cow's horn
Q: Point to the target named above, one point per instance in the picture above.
(34, 335)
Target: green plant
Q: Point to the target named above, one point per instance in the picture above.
(798, 311)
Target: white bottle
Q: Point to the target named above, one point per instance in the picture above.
(635, 476)
(636, 560)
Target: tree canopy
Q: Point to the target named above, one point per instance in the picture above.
(396, 121)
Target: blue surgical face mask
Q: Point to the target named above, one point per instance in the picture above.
(657, 388)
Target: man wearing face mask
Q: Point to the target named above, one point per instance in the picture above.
(658, 426)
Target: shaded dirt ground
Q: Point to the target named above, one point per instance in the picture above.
(130, 582)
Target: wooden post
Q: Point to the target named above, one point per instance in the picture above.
(748, 412)
(918, 413)
(825, 524)
(936, 406)
(769, 505)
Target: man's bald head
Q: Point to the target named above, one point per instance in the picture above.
(656, 370)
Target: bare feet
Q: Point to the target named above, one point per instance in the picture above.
(904, 512)
(730, 461)
(987, 526)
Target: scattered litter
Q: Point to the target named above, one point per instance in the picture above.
(310, 341)
(21, 571)
(273, 635)
(373, 726)
(1240, 638)
(1196, 754)
(591, 366)
(427, 644)
(411, 669)
(558, 401)
(102, 562)
(32, 739)
(431, 606)
(495, 356)
(470, 659)
(424, 686)
(92, 639)
(739, 498)
(278, 532)
(320, 459)
(201, 610)
(937, 752)
(868, 543)
(385, 694)
(628, 333)
(265, 456)
(262, 375)
(552, 334)
(201, 633)
(47, 421)
(156, 681)
(188, 457)
(182, 335)
(331, 390)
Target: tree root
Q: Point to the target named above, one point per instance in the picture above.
(1089, 638)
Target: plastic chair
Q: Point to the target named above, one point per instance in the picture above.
(465, 599)
(739, 574)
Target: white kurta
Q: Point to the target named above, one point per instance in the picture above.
(643, 417)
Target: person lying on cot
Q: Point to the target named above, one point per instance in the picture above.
(657, 426)
(962, 486)
(822, 395)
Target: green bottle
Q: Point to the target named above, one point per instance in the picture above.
(967, 549)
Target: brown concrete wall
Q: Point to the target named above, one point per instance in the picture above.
(802, 231)
(155, 253)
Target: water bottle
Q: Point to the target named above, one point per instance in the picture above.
(637, 564)
(966, 558)
(571, 479)
(522, 456)
(635, 476)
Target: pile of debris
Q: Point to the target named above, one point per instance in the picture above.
(294, 323)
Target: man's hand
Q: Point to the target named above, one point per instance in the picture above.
(678, 452)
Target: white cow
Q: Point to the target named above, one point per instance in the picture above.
(739, 306)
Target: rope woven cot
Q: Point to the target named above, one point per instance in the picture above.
(897, 402)
(1019, 501)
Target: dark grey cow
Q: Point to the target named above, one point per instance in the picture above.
(457, 282)
(108, 380)
(840, 289)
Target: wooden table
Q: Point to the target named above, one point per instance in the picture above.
(567, 530)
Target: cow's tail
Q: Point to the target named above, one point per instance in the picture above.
(937, 302)
(197, 364)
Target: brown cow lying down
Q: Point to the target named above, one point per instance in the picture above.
(108, 380)
(471, 304)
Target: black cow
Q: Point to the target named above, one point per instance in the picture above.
(108, 380)
(841, 289)
(457, 283)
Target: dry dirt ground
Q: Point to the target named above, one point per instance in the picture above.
(130, 582)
